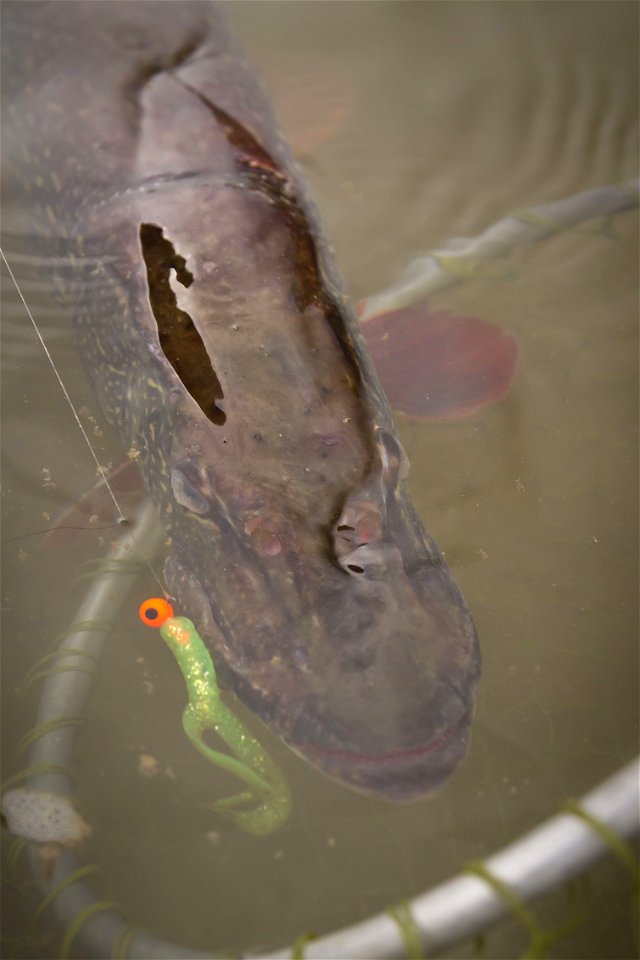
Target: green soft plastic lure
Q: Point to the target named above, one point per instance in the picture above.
(265, 803)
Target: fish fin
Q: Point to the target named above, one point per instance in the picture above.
(435, 365)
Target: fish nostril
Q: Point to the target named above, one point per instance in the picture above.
(367, 561)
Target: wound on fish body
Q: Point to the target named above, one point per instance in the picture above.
(180, 341)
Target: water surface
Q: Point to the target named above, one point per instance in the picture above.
(415, 123)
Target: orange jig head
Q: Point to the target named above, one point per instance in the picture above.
(155, 611)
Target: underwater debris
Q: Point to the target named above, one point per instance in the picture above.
(148, 766)
(43, 817)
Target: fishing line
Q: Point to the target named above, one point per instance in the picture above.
(36, 533)
(122, 520)
(121, 516)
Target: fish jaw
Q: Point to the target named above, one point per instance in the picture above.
(394, 718)
(370, 678)
(403, 775)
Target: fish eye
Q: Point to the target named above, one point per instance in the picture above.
(186, 493)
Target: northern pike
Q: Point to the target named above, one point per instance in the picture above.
(214, 329)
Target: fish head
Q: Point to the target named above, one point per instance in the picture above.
(393, 672)
(351, 640)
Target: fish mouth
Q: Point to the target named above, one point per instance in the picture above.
(402, 775)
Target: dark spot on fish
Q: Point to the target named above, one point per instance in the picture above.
(301, 656)
(180, 341)
(258, 437)
(358, 659)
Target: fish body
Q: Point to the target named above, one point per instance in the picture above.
(214, 328)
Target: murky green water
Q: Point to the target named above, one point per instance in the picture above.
(415, 123)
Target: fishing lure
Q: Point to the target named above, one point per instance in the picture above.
(267, 788)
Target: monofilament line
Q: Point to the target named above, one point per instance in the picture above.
(121, 516)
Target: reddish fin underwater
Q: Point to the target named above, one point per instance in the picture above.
(435, 365)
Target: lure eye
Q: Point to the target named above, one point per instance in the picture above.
(155, 612)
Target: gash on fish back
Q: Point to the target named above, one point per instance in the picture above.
(220, 345)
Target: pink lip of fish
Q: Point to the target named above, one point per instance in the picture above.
(326, 605)
(405, 774)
